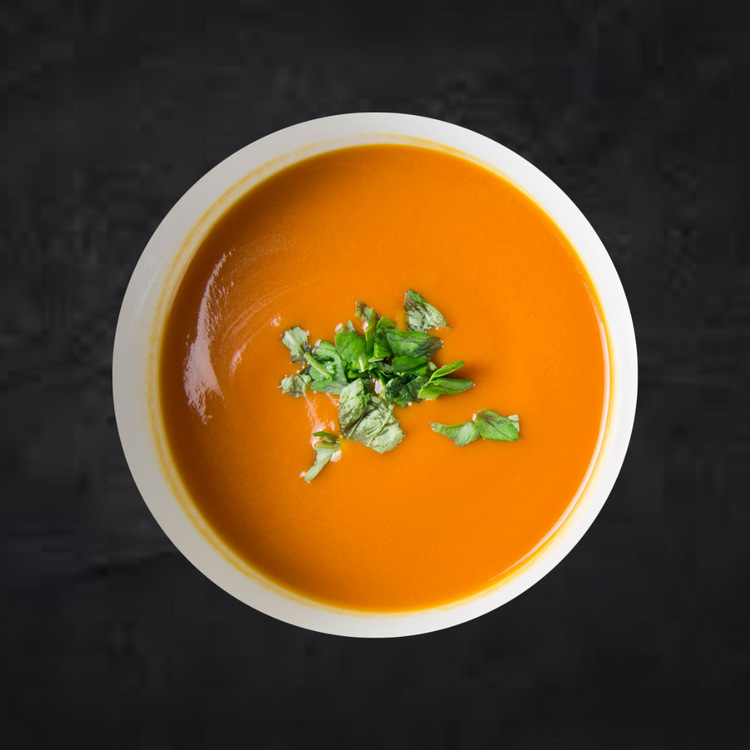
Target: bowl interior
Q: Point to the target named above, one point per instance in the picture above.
(146, 305)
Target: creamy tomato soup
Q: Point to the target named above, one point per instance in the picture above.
(427, 523)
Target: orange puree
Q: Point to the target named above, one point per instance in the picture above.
(427, 523)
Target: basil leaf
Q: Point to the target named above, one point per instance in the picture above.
(460, 434)
(366, 419)
(327, 386)
(370, 318)
(412, 343)
(397, 391)
(378, 429)
(415, 386)
(352, 405)
(328, 356)
(422, 316)
(324, 450)
(386, 368)
(492, 426)
(363, 312)
(295, 385)
(382, 347)
(352, 348)
(447, 370)
(382, 371)
(404, 364)
(345, 327)
(323, 433)
(445, 387)
(317, 370)
(295, 339)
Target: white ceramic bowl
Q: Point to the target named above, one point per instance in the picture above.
(146, 305)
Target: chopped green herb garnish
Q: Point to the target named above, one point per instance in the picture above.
(441, 372)
(324, 451)
(439, 385)
(295, 385)
(370, 319)
(317, 370)
(445, 387)
(365, 313)
(382, 347)
(411, 365)
(295, 339)
(392, 362)
(412, 343)
(352, 347)
(422, 316)
(397, 391)
(487, 424)
(494, 427)
(327, 354)
(415, 386)
(326, 386)
(367, 419)
(460, 434)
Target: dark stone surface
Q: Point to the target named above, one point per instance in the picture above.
(639, 111)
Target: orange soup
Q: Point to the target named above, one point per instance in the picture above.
(427, 523)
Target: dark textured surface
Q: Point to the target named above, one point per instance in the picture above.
(639, 112)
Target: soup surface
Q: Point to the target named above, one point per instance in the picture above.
(427, 523)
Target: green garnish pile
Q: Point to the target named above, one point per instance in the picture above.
(383, 368)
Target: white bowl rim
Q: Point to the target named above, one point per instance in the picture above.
(134, 351)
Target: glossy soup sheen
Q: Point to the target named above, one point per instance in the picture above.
(427, 523)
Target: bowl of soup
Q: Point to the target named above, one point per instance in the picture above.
(302, 231)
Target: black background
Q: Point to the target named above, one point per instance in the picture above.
(638, 111)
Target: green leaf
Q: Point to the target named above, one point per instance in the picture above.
(363, 312)
(295, 385)
(326, 350)
(407, 364)
(378, 429)
(460, 434)
(295, 339)
(415, 386)
(370, 318)
(328, 356)
(323, 433)
(324, 451)
(381, 370)
(352, 405)
(412, 343)
(422, 316)
(447, 370)
(397, 392)
(327, 386)
(382, 347)
(492, 426)
(445, 387)
(345, 327)
(366, 419)
(317, 370)
(352, 348)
